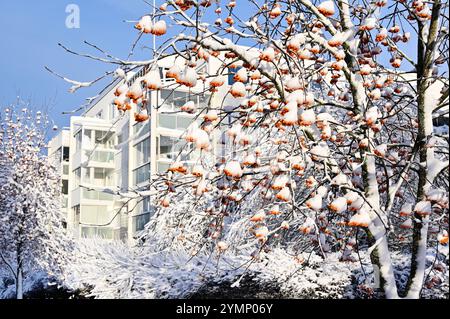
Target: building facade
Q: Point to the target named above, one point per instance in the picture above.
(106, 154)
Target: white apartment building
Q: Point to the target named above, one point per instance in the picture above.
(58, 151)
(109, 152)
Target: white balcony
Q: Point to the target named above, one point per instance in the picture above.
(84, 196)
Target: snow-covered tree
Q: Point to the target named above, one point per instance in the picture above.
(331, 144)
(32, 236)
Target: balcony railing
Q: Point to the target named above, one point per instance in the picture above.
(96, 195)
(100, 156)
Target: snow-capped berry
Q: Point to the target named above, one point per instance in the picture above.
(249, 160)
(174, 72)
(153, 80)
(275, 210)
(338, 205)
(135, 92)
(159, 28)
(284, 194)
(141, 117)
(268, 54)
(201, 140)
(326, 8)
(405, 210)
(145, 24)
(407, 224)
(423, 208)
(217, 81)
(233, 169)
(275, 12)
(315, 203)
(380, 150)
(165, 202)
(211, 116)
(297, 163)
(122, 89)
(238, 90)
(338, 39)
(188, 77)
(361, 219)
(340, 179)
(222, 246)
(443, 237)
(258, 217)
(372, 115)
(296, 42)
(375, 94)
(351, 197)
(189, 107)
(382, 35)
(369, 24)
(307, 117)
(241, 75)
(366, 69)
(177, 167)
(280, 182)
(307, 227)
(198, 171)
(262, 232)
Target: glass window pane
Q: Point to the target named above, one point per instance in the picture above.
(142, 174)
(167, 121)
(65, 187)
(183, 122)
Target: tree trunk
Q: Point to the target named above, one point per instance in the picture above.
(425, 109)
(19, 283)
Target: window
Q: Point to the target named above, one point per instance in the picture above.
(96, 195)
(104, 139)
(77, 179)
(99, 173)
(142, 152)
(101, 232)
(87, 139)
(66, 153)
(142, 174)
(113, 112)
(100, 156)
(65, 187)
(86, 175)
(162, 167)
(99, 115)
(162, 74)
(76, 213)
(170, 147)
(78, 139)
(174, 121)
(144, 212)
(141, 221)
(57, 154)
(174, 99)
(143, 206)
(142, 128)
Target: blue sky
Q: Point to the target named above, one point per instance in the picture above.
(30, 32)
